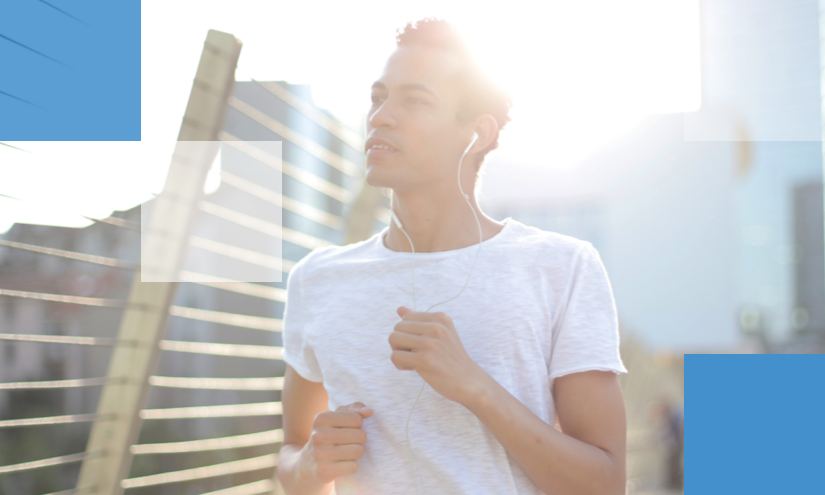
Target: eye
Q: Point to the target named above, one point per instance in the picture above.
(417, 100)
(374, 97)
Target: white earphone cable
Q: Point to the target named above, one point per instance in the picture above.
(412, 248)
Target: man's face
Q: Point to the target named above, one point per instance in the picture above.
(414, 108)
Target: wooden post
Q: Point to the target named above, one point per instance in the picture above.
(144, 320)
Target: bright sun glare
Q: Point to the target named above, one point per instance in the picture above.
(583, 73)
(580, 73)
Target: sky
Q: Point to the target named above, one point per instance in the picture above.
(580, 73)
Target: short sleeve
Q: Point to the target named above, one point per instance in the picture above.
(297, 351)
(586, 330)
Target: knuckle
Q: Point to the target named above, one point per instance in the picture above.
(321, 418)
(315, 438)
(320, 437)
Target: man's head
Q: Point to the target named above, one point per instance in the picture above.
(427, 103)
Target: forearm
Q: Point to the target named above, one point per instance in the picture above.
(293, 473)
(557, 463)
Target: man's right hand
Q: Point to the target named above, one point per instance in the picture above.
(336, 443)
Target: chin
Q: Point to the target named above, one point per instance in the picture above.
(377, 178)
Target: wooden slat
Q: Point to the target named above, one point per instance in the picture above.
(303, 176)
(332, 159)
(333, 126)
(89, 258)
(145, 320)
(223, 469)
(232, 442)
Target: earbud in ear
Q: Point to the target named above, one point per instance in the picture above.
(475, 138)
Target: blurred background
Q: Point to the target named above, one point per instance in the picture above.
(682, 138)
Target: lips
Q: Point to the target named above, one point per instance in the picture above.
(379, 142)
(374, 152)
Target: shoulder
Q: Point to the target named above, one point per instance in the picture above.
(550, 247)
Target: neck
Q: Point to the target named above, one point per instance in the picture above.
(442, 222)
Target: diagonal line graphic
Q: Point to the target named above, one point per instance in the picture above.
(35, 51)
(62, 11)
(21, 99)
(15, 147)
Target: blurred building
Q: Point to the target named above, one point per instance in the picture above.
(809, 237)
(761, 63)
(321, 165)
(318, 183)
(697, 232)
(33, 272)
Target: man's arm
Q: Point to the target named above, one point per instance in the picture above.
(587, 458)
(302, 400)
(319, 445)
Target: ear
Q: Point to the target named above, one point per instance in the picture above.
(486, 129)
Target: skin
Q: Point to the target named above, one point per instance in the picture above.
(588, 455)
(430, 141)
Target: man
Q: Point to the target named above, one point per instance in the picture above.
(533, 336)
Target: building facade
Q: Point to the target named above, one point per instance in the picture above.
(697, 232)
(320, 175)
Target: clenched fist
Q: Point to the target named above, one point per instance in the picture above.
(429, 344)
(337, 442)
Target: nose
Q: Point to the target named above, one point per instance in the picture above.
(382, 117)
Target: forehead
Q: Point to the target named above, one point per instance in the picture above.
(432, 67)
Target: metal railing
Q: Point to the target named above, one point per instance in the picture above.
(141, 342)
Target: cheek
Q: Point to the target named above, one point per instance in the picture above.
(434, 145)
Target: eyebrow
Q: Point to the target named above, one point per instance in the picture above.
(405, 87)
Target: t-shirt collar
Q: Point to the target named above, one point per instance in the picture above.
(385, 251)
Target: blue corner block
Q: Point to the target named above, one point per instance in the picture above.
(754, 424)
(70, 71)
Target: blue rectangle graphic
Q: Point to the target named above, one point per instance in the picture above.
(70, 71)
(754, 424)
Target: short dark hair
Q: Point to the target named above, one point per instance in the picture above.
(481, 94)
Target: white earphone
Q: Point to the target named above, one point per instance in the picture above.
(412, 248)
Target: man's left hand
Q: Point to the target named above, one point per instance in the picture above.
(429, 344)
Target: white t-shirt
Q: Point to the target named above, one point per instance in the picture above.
(530, 288)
